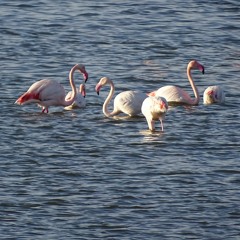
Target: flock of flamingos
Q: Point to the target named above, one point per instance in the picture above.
(153, 106)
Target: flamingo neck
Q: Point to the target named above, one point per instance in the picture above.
(73, 86)
(194, 88)
(108, 99)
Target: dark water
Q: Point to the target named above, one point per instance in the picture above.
(78, 175)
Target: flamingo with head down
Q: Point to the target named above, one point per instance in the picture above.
(214, 94)
(48, 92)
(128, 102)
(154, 109)
(176, 95)
(80, 101)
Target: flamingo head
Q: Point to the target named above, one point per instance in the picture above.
(82, 70)
(160, 107)
(102, 82)
(163, 104)
(194, 64)
(210, 96)
(82, 90)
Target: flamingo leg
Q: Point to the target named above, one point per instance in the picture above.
(44, 110)
(161, 123)
(151, 124)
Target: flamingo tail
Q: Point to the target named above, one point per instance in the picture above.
(28, 98)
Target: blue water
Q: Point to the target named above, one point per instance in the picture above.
(79, 175)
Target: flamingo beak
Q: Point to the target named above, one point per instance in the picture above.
(163, 105)
(84, 93)
(97, 88)
(166, 106)
(201, 68)
(85, 75)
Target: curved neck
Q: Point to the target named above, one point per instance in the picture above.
(74, 90)
(108, 99)
(194, 88)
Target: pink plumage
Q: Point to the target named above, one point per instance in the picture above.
(154, 109)
(214, 94)
(48, 92)
(176, 95)
(80, 101)
(128, 102)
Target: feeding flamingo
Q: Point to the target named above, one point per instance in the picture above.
(80, 101)
(48, 93)
(128, 102)
(176, 95)
(213, 94)
(154, 109)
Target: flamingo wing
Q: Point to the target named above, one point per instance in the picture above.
(129, 102)
(42, 92)
(173, 94)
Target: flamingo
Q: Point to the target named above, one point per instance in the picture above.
(128, 102)
(213, 94)
(48, 92)
(80, 101)
(176, 95)
(154, 108)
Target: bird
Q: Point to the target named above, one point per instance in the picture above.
(80, 101)
(213, 94)
(128, 102)
(47, 92)
(154, 108)
(176, 95)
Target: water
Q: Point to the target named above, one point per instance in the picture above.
(78, 175)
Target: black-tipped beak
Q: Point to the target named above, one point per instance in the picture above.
(203, 71)
(85, 77)
(97, 92)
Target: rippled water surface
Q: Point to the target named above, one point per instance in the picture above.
(79, 175)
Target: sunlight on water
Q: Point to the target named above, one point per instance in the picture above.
(77, 174)
(149, 136)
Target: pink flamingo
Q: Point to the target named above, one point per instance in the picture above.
(213, 94)
(176, 95)
(51, 93)
(80, 101)
(128, 102)
(154, 108)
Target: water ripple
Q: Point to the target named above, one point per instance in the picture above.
(77, 173)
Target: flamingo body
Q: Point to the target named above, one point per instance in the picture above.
(80, 101)
(44, 92)
(173, 94)
(213, 94)
(128, 102)
(176, 95)
(154, 109)
(48, 92)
